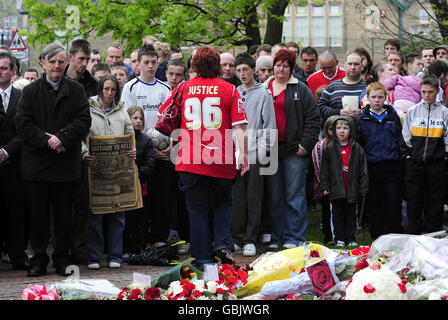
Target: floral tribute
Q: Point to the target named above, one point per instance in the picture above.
(376, 283)
(139, 292)
(199, 290)
(39, 292)
(234, 276)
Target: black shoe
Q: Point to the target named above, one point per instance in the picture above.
(61, 270)
(225, 255)
(21, 265)
(37, 271)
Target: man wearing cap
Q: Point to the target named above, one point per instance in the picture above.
(441, 52)
(263, 68)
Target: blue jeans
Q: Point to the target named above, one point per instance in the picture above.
(289, 215)
(95, 238)
(203, 195)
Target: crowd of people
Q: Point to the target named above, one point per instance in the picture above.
(366, 140)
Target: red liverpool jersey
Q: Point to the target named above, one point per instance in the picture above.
(209, 110)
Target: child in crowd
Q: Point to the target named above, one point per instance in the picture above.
(343, 177)
(327, 135)
(425, 149)
(379, 133)
(135, 232)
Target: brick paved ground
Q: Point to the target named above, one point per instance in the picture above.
(12, 282)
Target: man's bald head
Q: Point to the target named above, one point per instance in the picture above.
(227, 65)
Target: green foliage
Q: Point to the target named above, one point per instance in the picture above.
(178, 22)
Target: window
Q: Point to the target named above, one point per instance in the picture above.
(315, 25)
(334, 26)
(301, 25)
(318, 26)
(424, 17)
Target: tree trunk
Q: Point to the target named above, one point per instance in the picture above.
(252, 29)
(441, 13)
(274, 27)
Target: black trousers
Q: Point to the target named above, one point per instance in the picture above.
(326, 219)
(60, 197)
(384, 198)
(163, 204)
(425, 193)
(344, 220)
(247, 206)
(80, 216)
(13, 214)
(136, 226)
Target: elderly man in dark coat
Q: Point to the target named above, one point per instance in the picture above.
(52, 118)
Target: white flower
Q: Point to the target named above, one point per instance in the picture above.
(211, 287)
(176, 287)
(199, 285)
(383, 280)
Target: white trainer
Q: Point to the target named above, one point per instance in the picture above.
(249, 250)
(114, 265)
(93, 266)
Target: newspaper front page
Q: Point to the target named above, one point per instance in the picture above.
(113, 179)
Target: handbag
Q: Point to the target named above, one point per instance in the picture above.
(170, 119)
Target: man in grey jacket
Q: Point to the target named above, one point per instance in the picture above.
(248, 189)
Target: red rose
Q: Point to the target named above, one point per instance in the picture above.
(136, 292)
(321, 278)
(314, 254)
(368, 288)
(361, 265)
(153, 292)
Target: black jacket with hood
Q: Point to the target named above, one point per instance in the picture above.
(332, 175)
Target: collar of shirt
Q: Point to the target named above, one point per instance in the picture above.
(55, 85)
(8, 93)
(334, 76)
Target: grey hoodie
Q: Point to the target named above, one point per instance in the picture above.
(260, 113)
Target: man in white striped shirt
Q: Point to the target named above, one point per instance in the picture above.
(331, 100)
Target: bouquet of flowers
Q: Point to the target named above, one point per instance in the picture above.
(137, 291)
(199, 290)
(40, 292)
(376, 283)
(234, 276)
(346, 266)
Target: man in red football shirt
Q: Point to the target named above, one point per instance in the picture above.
(329, 72)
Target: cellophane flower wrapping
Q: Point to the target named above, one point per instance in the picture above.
(282, 265)
(40, 292)
(413, 258)
(436, 289)
(88, 289)
(376, 283)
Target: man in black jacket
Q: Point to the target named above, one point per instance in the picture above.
(78, 57)
(52, 118)
(11, 184)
